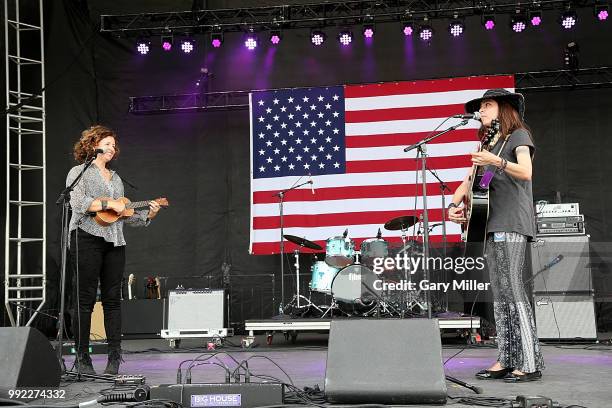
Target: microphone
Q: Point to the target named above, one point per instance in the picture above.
(555, 261)
(312, 187)
(100, 151)
(475, 116)
(379, 235)
(345, 234)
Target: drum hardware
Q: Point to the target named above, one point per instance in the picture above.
(302, 242)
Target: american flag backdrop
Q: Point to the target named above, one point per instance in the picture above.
(350, 140)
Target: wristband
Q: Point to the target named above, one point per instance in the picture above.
(452, 205)
(104, 204)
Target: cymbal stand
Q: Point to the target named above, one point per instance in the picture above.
(297, 295)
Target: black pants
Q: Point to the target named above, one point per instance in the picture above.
(98, 260)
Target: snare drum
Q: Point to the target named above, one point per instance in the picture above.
(339, 251)
(322, 277)
(355, 284)
(374, 248)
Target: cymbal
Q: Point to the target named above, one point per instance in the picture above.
(403, 222)
(302, 242)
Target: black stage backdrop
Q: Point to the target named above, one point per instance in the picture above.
(200, 161)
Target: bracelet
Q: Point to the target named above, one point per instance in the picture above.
(104, 204)
(502, 166)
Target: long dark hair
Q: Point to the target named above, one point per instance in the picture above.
(509, 121)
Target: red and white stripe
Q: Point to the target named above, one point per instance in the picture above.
(381, 181)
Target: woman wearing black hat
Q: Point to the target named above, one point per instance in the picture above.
(510, 225)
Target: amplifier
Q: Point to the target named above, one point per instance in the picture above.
(196, 313)
(244, 395)
(566, 225)
(565, 316)
(557, 210)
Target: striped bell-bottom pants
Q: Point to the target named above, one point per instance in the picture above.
(517, 341)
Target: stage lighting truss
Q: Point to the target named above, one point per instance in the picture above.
(456, 27)
(317, 37)
(568, 19)
(601, 11)
(345, 37)
(518, 22)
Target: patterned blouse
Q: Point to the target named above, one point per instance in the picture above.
(91, 186)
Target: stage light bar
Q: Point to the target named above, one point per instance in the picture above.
(345, 37)
(143, 46)
(187, 45)
(569, 19)
(317, 37)
(488, 21)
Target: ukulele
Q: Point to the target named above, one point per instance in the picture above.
(108, 217)
(476, 201)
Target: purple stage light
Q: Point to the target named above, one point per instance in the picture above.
(142, 47)
(216, 39)
(408, 30)
(275, 39)
(345, 37)
(489, 24)
(602, 15)
(187, 46)
(568, 19)
(250, 43)
(216, 42)
(426, 33)
(167, 45)
(317, 37)
(368, 32)
(536, 21)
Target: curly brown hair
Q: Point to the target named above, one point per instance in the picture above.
(90, 138)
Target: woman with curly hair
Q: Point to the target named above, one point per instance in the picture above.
(99, 251)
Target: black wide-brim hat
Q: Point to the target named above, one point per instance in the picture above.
(517, 100)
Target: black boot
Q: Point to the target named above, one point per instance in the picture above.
(114, 361)
(83, 361)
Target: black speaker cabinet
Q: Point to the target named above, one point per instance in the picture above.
(27, 360)
(387, 361)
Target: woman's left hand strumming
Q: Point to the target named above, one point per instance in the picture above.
(153, 209)
(484, 158)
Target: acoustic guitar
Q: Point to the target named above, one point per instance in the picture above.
(108, 217)
(476, 201)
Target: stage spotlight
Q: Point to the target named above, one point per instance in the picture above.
(250, 40)
(456, 26)
(488, 21)
(569, 19)
(275, 37)
(345, 37)
(408, 28)
(142, 46)
(570, 57)
(601, 11)
(425, 30)
(518, 22)
(535, 18)
(368, 30)
(216, 39)
(317, 37)
(166, 42)
(187, 45)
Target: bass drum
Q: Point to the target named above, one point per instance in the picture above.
(355, 284)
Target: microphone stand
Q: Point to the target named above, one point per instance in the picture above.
(422, 151)
(64, 199)
(281, 197)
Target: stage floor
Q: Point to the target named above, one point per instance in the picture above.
(576, 374)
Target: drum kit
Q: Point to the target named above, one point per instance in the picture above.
(346, 274)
